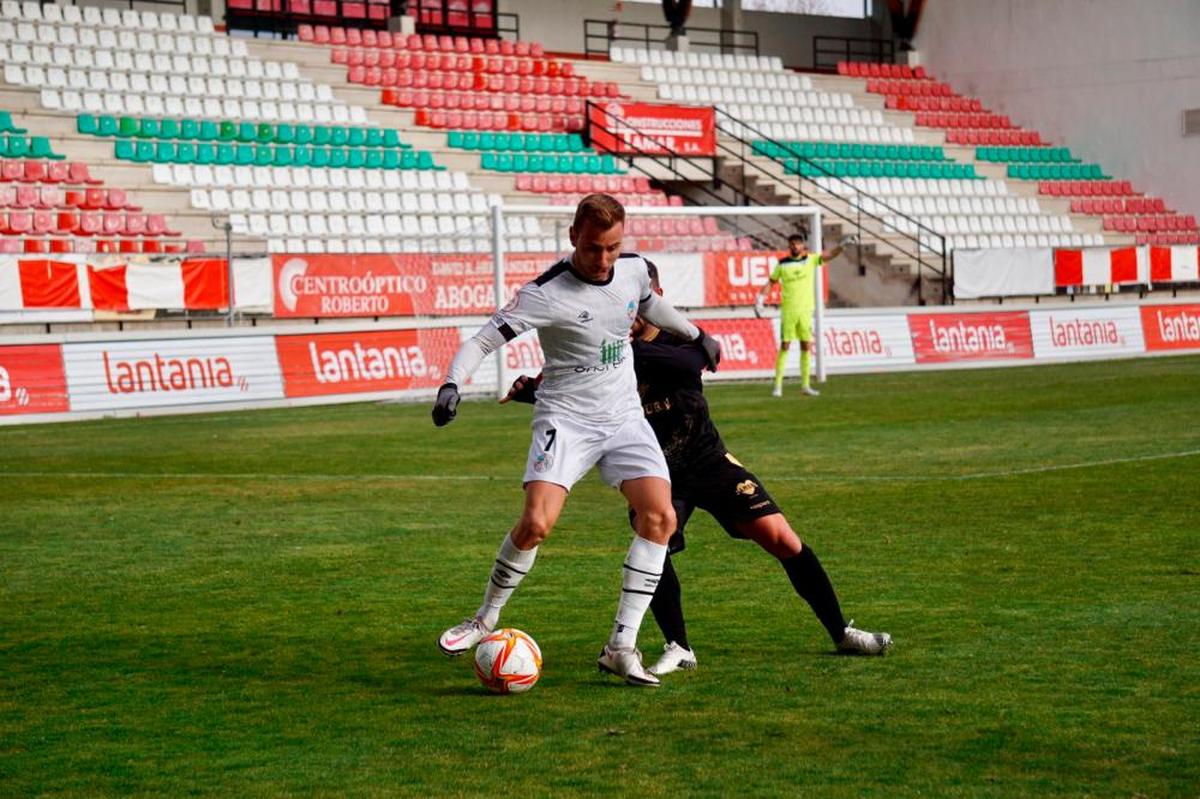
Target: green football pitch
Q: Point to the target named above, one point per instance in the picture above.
(247, 604)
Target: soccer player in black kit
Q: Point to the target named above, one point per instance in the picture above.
(705, 475)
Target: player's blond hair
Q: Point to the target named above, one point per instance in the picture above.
(602, 210)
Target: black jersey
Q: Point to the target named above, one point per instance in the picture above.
(668, 376)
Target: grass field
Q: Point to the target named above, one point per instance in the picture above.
(246, 604)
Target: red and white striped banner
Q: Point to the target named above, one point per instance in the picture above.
(1175, 264)
(1100, 266)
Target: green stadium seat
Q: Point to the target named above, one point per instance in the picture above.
(302, 155)
(124, 149)
(320, 157)
(39, 147)
(245, 155)
(185, 152)
(8, 126)
(283, 156)
(391, 159)
(533, 162)
(374, 158)
(356, 137)
(374, 138)
(356, 158)
(264, 155)
(84, 123)
(144, 151)
(487, 141)
(455, 139)
(320, 135)
(228, 130)
(471, 140)
(206, 153)
(107, 126)
(148, 128)
(504, 162)
(391, 138)
(408, 159)
(265, 133)
(168, 128)
(128, 126)
(337, 157)
(488, 161)
(164, 152)
(284, 134)
(304, 134)
(247, 132)
(425, 160)
(209, 130)
(338, 136)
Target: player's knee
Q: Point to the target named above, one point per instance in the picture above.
(531, 530)
(656, 524)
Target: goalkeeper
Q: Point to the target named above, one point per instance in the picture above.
(797, 272)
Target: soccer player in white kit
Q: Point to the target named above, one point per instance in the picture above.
(587, 413)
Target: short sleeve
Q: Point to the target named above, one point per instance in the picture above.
(776, 273)
(527, 310)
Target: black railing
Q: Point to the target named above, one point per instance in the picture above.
(599, 35)
(829, 50)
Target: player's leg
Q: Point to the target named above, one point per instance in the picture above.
(808, 577)
(667, 603)
(634, 461)
(543, 504)
(781, 360)
(805, 333)
(559, 454)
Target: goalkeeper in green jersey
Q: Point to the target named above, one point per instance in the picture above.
(797, 272)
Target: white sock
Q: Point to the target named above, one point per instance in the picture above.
(640, 576)
(511, 566)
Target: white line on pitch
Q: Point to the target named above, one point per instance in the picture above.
(513, 477)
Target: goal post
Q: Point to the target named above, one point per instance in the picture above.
(677, 234)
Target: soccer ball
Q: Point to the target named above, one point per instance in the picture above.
(508, 662)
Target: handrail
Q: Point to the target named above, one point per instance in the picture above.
(849, 190)
(850, 48)
(609, 31)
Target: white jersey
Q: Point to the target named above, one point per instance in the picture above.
(584, 331)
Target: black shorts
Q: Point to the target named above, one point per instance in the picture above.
(725, 489)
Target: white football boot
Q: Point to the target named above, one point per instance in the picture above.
(674, 657)
(809, 391)
(462, 637)
(861, 642)
(777, 391)
(626, 663)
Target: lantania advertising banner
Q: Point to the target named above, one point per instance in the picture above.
(115, 375)
(367, 361)
(1171, 327)
(653, 129)
(866, 340)
(32, 380)
(395, 285)
(952, 337)
(1082, 332)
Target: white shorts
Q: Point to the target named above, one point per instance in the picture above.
(563, 450)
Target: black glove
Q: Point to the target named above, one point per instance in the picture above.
(524, 389)
(445, 408)
(711, 349)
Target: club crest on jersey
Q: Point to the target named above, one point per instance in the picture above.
(585, 316)
(631, 310)
(543, 462)
(746, 488)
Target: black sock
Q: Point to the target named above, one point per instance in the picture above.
(812, 583)
(667, 606)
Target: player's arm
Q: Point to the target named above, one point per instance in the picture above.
(836, 250)
(662, 314)
(518, 316)
(669, 360)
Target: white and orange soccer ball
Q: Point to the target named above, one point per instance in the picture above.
(508, 661)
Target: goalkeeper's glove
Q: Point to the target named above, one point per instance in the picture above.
(760, 306)
(851, 239)
(711, 349)
(445, 408)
